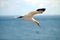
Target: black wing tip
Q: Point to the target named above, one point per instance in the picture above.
(39, 25)
(20, 17)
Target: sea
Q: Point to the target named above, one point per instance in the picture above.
(13, 28)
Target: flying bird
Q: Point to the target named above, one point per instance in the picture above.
(29, 16)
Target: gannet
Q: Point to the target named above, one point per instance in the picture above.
(29, 16)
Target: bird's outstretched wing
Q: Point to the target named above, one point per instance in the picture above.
(30, 14)
(36, 22)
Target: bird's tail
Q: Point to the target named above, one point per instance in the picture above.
(20, 17)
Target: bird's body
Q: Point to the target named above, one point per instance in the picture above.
(29, 16)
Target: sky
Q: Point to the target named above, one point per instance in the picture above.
(21, 7)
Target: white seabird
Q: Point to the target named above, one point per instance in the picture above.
(30, 15)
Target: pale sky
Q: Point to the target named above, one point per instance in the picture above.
(21, 7)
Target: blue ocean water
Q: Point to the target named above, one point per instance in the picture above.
(12, 28)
